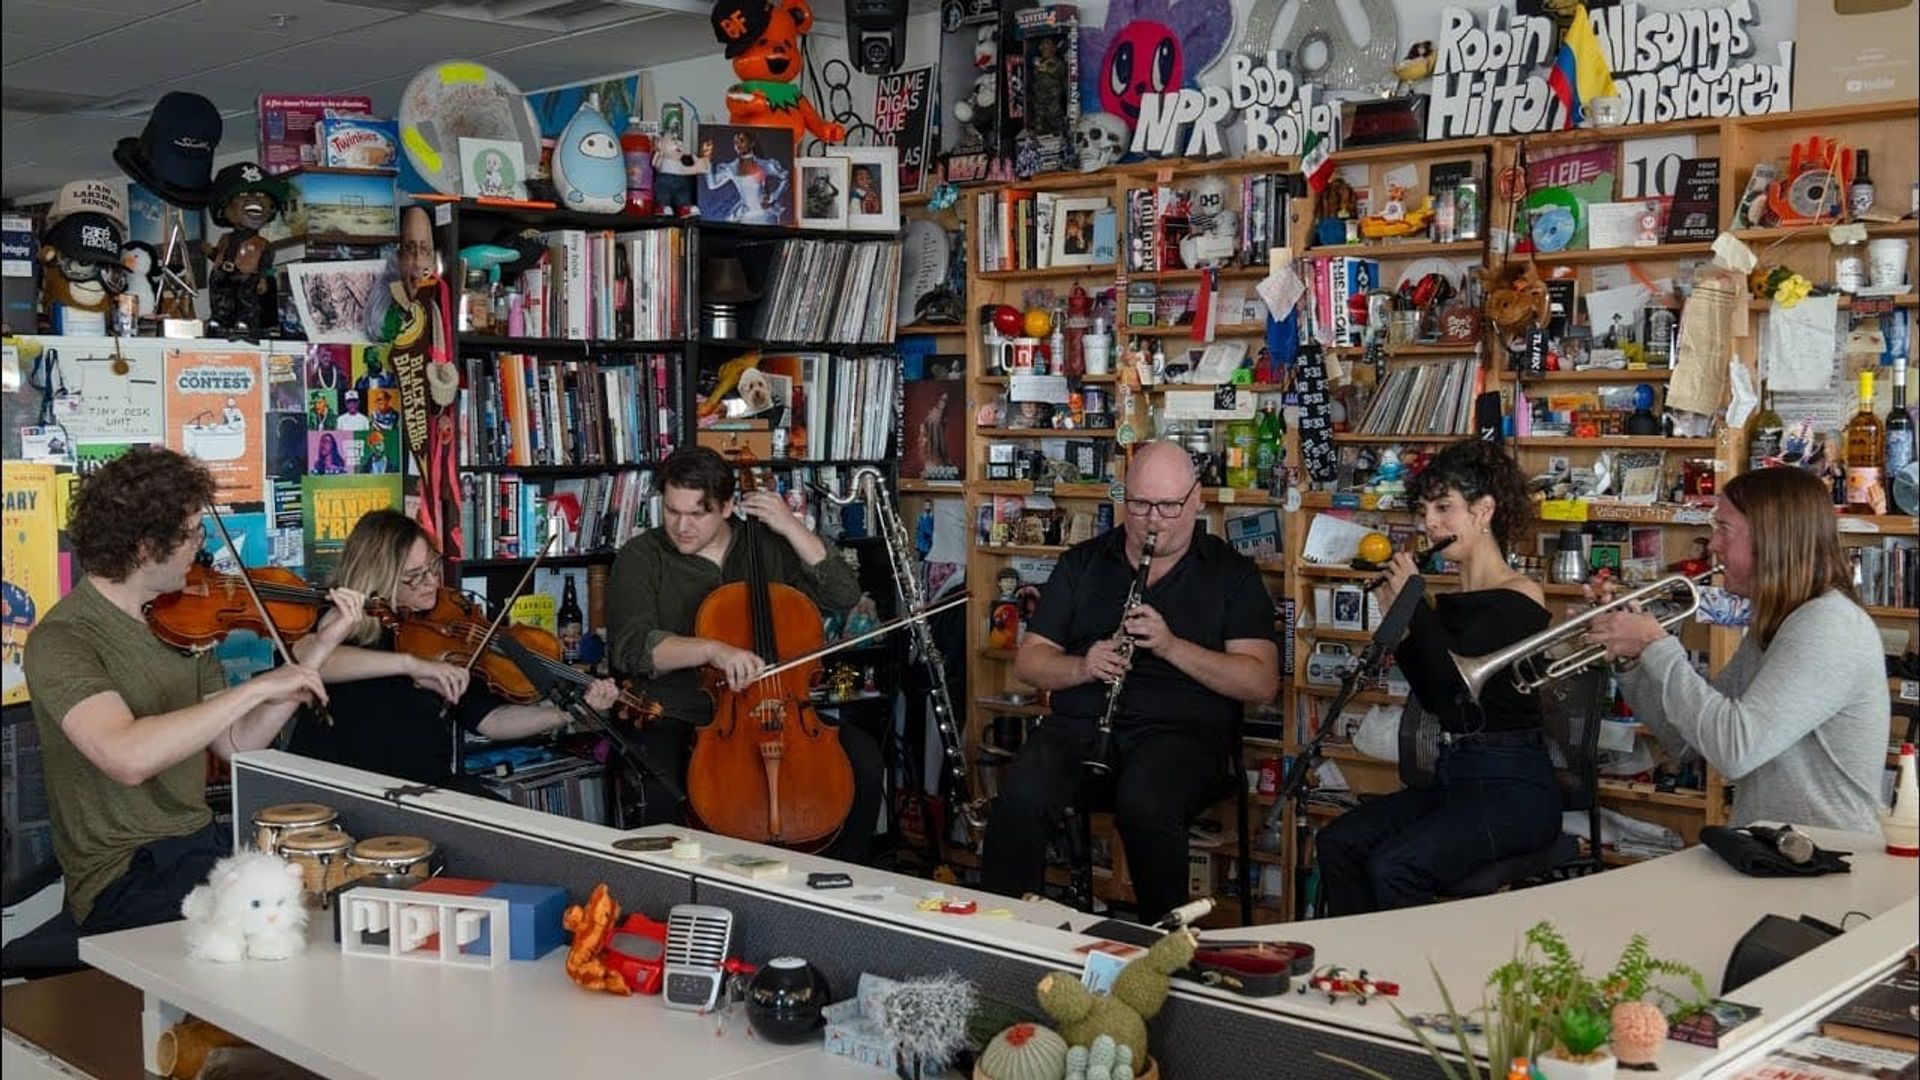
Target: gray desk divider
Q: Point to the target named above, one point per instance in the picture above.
(1195, 1035)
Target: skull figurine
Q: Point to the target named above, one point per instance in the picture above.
(1100, 139)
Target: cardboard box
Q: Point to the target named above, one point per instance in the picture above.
(1850, 52)
(287, 122)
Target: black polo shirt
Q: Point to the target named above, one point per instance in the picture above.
(1213, 595)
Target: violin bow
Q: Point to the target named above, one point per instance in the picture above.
(887, 627)
(273, 632)
(519, 588)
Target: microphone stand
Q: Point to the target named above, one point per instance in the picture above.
(571, 697)
(1293, 789)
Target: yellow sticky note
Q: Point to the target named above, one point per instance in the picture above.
(1563, 510)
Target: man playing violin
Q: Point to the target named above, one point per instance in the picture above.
(393, 710)
(656, 588)
(1203, 645)
(125, 719)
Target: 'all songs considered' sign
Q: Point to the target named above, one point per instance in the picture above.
(1490, 77)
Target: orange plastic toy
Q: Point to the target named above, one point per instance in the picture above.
(592, 925)
(763, 45)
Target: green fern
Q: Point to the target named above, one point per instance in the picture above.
(1632, 978)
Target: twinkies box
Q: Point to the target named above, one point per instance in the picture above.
(357, 142)
(287, 123)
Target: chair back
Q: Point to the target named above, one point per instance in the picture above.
(1572, 710)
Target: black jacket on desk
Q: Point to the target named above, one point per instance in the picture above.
(1213, 595)
(391, 726)
(1470, 624)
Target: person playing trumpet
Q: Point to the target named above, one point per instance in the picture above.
(1798, 718)
(1494, 793)
(1202, 646)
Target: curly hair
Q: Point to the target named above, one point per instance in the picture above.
(701, 469)
(1477, 468)
(129, 510)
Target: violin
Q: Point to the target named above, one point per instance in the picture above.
(520, 663)
(766, 768)
(212, 605)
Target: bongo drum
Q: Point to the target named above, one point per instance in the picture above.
(270, 823)
(321, 855)
(391, 861)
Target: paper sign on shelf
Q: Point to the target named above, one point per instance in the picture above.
(1045, 389)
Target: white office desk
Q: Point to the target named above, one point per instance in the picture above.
(368, 1017)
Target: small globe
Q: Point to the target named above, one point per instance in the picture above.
(1039, 322)
(1376, 548)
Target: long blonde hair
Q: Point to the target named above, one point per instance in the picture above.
(374, 558)
(1797, 555)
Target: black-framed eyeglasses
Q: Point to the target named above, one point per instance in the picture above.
(1166, 508)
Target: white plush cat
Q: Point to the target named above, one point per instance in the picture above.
(250, 906)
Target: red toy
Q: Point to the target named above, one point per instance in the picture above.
(763, 45)
(642, 973)
(1337, 982)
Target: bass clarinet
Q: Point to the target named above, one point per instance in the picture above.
(1122, 641)
(907, 579)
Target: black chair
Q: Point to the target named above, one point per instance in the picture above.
(1572, 710)
(1096, 795)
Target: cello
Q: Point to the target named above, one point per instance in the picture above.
(766, 768)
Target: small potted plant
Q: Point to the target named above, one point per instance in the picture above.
(1579, 1048)
(1640, 1026)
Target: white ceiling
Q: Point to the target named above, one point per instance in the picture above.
(77, 75)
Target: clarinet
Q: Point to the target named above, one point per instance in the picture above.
(1124, 642)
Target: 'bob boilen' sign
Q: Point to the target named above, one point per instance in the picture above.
(1276, 113)
(1491, 79)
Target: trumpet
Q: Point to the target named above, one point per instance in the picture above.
(1124, 641)
(1536, 661)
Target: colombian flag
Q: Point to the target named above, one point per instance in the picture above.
(1580, 72)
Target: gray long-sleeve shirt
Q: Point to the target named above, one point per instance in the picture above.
(1800, 726)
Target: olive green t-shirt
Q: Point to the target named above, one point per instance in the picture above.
(86, 646)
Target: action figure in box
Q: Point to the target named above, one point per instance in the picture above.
(240, 270)
(1050, 49)
(976, 142)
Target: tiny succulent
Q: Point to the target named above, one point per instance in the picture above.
(1581, 1031)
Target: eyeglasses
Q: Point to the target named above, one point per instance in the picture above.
(424, 576)
(1166, 508)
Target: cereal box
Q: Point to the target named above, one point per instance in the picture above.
(357, 142)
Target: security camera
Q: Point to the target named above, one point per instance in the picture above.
(876, 34)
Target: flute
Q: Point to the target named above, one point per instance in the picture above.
(1434, 550)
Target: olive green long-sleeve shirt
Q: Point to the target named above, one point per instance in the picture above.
(654, 592)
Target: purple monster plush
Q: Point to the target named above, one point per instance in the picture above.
(1147, 47)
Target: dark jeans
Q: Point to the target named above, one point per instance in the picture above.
(1488, 802)
(1163, 778)
(667, 743)
(159, 878)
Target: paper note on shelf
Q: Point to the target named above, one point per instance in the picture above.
(1046, 389)
(1332, 541)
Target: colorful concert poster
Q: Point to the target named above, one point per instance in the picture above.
(215, 413)
(332, 505)
(29, 566)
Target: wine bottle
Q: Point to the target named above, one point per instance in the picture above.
(571, 623)
(1765, 431)
(1899, 426)
(1865, 452)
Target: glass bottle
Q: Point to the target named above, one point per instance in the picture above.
(1899, 426)
(1850, 267)
(1865, 451)
(1242, 455)
(1860, 192)
(570, 623)
(1765, 430)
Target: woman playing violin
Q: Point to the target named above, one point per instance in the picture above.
(390, 707)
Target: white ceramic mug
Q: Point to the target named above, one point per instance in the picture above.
(1887, 262)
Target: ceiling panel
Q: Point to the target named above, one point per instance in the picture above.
(407, 45)
(151, 53)
(36, 28)
(308, 19)
(129, 8)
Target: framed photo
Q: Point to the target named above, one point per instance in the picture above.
(822, 192)
(750, 181)
(1349, 608)
(1647, 542)
(493, 169)
(873, 186)
(334, 299)
(1074, 222)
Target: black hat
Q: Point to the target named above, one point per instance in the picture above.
(239, 179)
(88, 237)
(737, 24)
(173, 156)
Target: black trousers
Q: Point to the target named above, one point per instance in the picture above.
(1489, 802)
(1163, 778)
(667, 743)
(159, 878)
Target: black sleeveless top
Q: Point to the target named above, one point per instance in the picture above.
(1470, 624)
